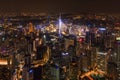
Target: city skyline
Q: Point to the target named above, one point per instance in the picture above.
(59, 40)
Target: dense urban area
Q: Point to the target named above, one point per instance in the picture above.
(59, 47)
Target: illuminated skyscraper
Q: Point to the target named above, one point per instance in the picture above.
(31, 27)
(117, 50)
(102, 61)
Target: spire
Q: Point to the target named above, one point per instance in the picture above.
(60, 23)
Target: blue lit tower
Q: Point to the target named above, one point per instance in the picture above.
(60, 24)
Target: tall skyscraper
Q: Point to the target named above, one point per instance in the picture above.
(102, 61)
(117, 50)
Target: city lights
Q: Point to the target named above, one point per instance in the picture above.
(60, 48)
(3, 62)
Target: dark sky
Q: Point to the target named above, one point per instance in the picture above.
(112, 6)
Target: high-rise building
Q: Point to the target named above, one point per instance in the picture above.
(40, 52)
(93, 57)
(117, 50)
(37, 73)
(31, 28)
(102, 61)
(55, 72)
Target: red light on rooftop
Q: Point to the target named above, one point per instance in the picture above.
(81, 40)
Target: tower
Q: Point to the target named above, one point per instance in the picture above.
(102, 61)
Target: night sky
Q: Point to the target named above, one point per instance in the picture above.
(109, 6)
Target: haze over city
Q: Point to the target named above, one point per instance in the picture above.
(55, 6)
